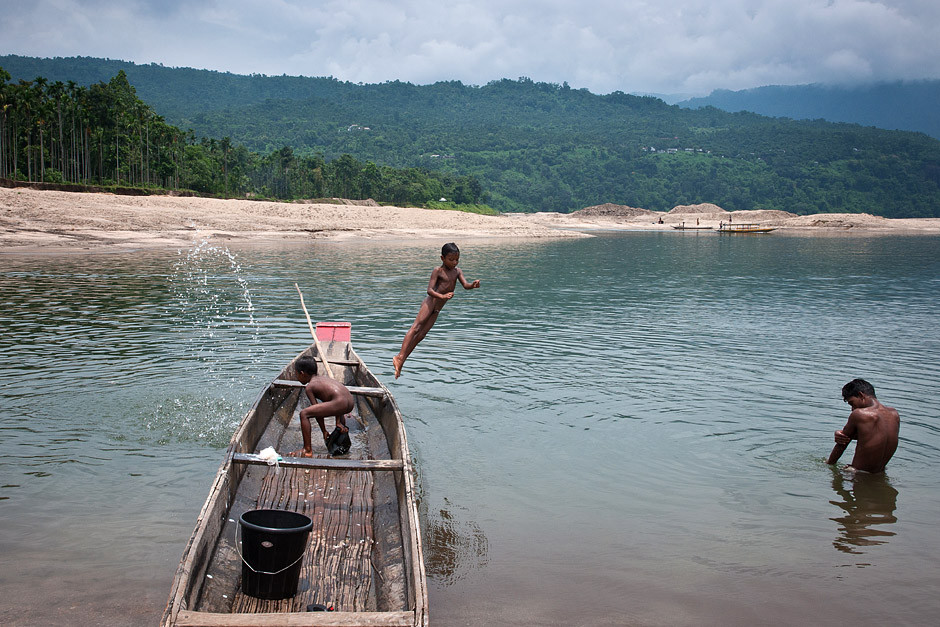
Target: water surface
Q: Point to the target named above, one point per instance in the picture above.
(628, 429)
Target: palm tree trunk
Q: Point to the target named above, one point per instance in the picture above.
(42, 157)
(29, 155)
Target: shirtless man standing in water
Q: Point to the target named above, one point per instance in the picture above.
(874, 425)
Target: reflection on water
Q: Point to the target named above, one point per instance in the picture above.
(868, 502)
(454, 546)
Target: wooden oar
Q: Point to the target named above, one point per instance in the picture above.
(320, 351)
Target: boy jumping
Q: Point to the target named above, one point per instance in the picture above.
(440, 290)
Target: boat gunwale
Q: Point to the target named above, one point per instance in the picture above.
(297, 619)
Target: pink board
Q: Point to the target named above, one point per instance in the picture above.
(334, 331)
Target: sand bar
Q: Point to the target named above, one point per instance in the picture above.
(32, 220)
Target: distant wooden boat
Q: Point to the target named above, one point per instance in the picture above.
(364, 556)
(744, 227)
(683, 227)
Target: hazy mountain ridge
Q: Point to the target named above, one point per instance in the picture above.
(905, 106)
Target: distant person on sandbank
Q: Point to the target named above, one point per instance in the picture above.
(873, 425)
(327, 398)
(440, 290)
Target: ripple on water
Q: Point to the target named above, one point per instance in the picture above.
(674, 397)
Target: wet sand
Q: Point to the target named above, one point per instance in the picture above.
(40, 220)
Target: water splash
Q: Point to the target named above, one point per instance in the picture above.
(188, 417)
(208, 273)
(213, 312)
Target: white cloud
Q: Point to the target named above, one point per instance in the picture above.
(690, 46)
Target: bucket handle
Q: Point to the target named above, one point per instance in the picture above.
(238, 549)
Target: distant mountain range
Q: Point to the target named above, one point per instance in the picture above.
(906, 106)
(902, 106)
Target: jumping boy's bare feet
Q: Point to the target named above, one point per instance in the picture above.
(398, 363)
(302, 453)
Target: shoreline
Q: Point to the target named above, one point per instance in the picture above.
(33, 220)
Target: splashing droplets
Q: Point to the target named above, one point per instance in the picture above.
(214, 311)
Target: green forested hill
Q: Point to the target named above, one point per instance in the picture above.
(103, 136)
(172, 92)
(537, 146)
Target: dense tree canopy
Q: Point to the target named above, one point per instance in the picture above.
(520, 145)
(105, 135)
(547, 147)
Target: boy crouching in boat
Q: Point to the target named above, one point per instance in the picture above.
(440, 290)
(327, 398)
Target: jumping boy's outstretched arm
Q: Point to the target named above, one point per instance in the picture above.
(467, 285)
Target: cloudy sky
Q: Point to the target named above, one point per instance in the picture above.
(656, 46)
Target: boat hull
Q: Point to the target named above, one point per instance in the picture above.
(364, 556)
(733, 229)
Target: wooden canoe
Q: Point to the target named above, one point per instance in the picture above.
(364, 555)
(744, 228)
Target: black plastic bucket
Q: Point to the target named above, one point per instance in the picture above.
(273, 543)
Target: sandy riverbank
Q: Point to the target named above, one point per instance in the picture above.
(41, 220)
(709, 215)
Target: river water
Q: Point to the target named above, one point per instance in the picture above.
(626, 429)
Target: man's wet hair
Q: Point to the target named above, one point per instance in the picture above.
(307, 365)
(449, 248)
(856, 387)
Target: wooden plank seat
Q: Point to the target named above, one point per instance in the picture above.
(353, 389)
(344, 362)
(323, 463)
